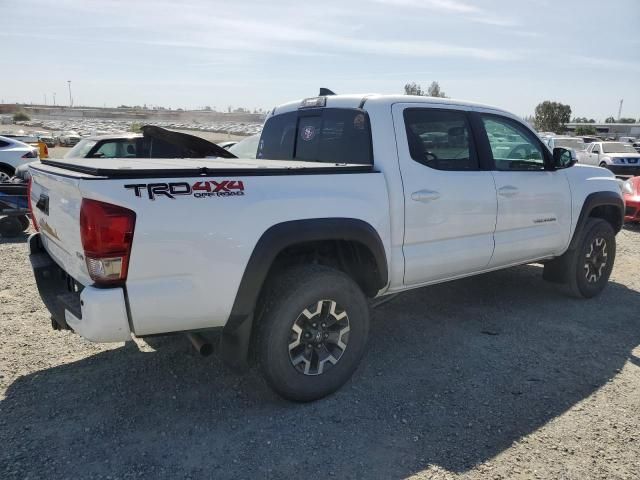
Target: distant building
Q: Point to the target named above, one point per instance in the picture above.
(609, 129)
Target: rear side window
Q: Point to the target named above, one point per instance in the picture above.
(4, 144)
(440, 139)
(329, 135)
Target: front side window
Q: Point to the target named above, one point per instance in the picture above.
(328, 135)
(440, 139)
(513, 148)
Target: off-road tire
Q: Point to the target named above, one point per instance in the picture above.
(289, 295)
(10, 227)
(578, 285)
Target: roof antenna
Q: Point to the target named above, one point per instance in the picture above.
(325, 91)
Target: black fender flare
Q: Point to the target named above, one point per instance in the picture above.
(593, 200)
(234, 342)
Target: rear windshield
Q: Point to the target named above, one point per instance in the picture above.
(81, 149)
(328, 135)
(576, 143)
(616, 147)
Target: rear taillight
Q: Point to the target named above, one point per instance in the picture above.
(30, 154)
(106, 232)
(33, 217)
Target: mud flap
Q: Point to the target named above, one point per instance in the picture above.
(234, 342)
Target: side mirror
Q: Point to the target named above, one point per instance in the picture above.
(564, 158)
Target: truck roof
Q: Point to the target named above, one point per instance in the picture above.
(358, 100)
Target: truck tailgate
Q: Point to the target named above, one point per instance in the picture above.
(56, 203)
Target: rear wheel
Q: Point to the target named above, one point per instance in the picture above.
(313, 332)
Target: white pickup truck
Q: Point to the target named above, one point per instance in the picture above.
(621, 159)
(350, 197)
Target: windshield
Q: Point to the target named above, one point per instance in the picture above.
(575, 143)
(617, 147)
(246, 148)
(81, 149)
(328, 135)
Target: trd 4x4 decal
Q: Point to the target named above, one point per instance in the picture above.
(200, 189)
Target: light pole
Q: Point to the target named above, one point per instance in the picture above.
(70, 97)
(54, 99)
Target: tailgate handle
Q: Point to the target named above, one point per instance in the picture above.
(43, 204)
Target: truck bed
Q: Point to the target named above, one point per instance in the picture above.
(193, 240)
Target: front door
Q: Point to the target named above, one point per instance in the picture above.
(534, 203)
(450, 203)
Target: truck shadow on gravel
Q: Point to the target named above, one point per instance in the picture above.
(454, 375)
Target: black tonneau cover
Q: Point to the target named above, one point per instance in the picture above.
(102, 173)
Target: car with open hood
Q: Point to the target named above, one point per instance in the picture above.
(153, 142)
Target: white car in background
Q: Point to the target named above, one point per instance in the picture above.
(13, 154)
(621, 159)
(576, 143)
(69, 138)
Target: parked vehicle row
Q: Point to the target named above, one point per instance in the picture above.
(349, 197)
(62, 130)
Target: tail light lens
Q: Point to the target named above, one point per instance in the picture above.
(30, 154)
(106, 232)
(33, 217)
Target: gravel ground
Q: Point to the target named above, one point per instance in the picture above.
(497, 376)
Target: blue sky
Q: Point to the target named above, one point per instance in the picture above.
(191, 53)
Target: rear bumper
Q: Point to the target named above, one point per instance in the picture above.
(97, 314)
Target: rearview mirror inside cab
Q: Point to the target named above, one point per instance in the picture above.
(564, 157)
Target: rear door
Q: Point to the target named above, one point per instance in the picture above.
(534, 202)
(450, 201)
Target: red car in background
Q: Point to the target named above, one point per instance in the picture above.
(631, 192)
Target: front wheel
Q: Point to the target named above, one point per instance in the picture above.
(313, 332)
(593, 259)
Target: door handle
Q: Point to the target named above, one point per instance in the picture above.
(508, 191)
(425, 196)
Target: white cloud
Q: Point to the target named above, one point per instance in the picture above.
(607, 63)
(465, 11)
